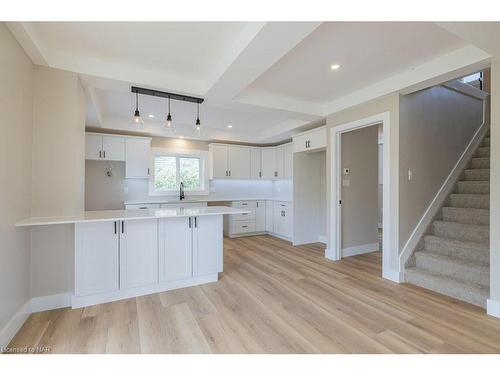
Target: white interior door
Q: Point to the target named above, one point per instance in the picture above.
(239, 162)
(113, 148)
(138, 253)
(176, 249)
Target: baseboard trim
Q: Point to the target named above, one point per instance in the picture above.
(393, 275)
(438, 200)
(8, 332)
(54, 301)
(323, 239)
(361, 249)
(83, 301)
(493, 308)
(280, 236)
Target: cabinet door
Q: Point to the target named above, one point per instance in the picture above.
(176, 250)
(288, 222)
(288, 161)
(93, 147)
(278, 219)
(239, 162)
(255, 163)
(269, 216)
(113, 148)
(268, 162)
(138, 253)
(260, 216)
(207, 245)
(280, 165)
(300, 143)
(317, 139)
(96, 258)
(219, 161)
(137, 157)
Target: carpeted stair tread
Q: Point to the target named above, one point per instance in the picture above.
(474, 251)
(473, 187)
(466, 215)
(477, 174)
(455, 267)
(460, 231)
(482, 151)
(470, 200)
(464, 291)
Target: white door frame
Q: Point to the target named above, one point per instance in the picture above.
(390, 206)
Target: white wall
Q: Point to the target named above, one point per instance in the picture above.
(58, 179)
(16, 115)
(103, 192)
(435, 126)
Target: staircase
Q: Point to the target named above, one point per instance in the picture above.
(453, 259)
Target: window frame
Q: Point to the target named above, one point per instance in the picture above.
(180, 153)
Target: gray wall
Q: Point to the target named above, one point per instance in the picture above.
(435, 126)
(16, 116)
(101, 191)
(360, 199)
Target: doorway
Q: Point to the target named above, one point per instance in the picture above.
(390, 196)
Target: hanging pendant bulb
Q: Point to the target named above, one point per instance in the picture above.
(137, 119)
(168, 123)
(198, 122)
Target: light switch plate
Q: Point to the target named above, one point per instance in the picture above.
(410, 174)
(346, 182)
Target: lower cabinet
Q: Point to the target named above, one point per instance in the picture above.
(118, 256)
(247, 223)
(175, 237)
(96, 258)
(283, 219)
(138, 253)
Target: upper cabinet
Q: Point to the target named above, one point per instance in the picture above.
(137, 157)
(312, 140)
(243, 162)
(104, 147)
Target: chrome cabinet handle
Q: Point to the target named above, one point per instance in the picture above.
(195, 222)
(100, 154)
(115, 226)
(123, 227)
(104, 154)
(189, 220)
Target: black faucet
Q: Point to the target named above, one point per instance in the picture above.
(181, 191)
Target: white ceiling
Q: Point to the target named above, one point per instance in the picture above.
(267, 79)
(366, 51)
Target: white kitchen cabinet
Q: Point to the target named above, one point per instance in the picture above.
(260, 216)
(283, 219)
(113, 148)
(96, 258)
(175, 237)
(312, 140)
(280, 165)
(288, 161)
(138, 253)
(137, 157)
(207, 245)
(104, 147)
(269, 216)
(220, 163)
(255, 163)
(268, 162)
(239, 161)
(93, 147)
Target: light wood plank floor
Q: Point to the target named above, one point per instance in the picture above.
(274, 298)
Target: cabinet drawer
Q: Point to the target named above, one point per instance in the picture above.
(244, 217)
(238, 227)
(246, 205)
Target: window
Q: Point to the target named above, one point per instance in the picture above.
(173, 167)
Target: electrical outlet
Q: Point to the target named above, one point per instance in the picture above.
(347, 171)
(346, 182)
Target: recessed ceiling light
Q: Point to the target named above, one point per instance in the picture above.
(334, 66)
(230, 126)
(151, 116)
(181, 137)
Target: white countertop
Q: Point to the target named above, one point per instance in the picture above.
(195, 200)
(112, 215)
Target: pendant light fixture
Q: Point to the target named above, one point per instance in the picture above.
(198, 122)
(168, 123)
(137, 119)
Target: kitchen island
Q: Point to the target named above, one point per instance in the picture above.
(127, 253)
